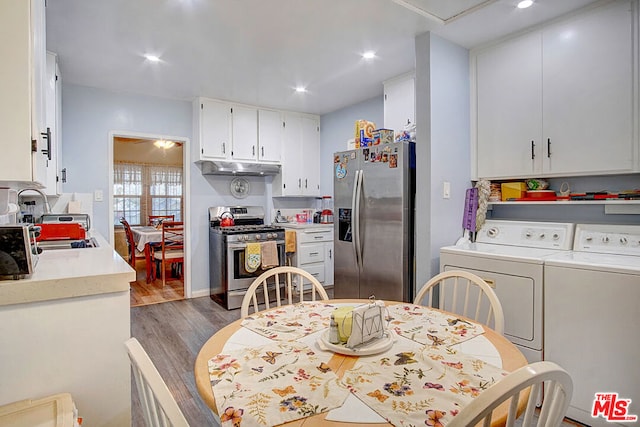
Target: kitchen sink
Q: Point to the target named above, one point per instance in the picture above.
(68, 244)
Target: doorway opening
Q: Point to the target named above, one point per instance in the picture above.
(148, 181)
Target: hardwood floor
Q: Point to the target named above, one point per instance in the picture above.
(172, 334)
(143, 293)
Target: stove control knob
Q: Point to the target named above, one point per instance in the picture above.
(492, 232)
(268, 235)
(623, 240)
(605, 239)
(246, 237)
(258, 237)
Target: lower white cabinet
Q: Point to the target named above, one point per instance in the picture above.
(314, 252)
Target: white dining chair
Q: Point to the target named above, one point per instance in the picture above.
(558, 388)
(457, 285)
(158, 405)
(279, 285)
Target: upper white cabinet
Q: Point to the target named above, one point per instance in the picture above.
(300, 175)
(213, 127)
(270, 129)
(399, 102)
(53, 96)
(22, 104)
(558, 101)
(230, 131)
(244, 133)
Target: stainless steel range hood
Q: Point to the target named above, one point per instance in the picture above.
(237, 168)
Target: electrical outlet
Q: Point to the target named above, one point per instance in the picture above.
(446, 190)
(98, 196)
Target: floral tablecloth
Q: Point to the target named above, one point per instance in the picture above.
(291, 322)
(426, 386)
(273, 384)
(430, 327)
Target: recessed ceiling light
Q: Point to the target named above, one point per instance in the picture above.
(301, 89)
(525, 4)
(152, 58)
(369, 54)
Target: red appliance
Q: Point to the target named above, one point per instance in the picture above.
(68, 231)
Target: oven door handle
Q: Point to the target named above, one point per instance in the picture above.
(242, 245)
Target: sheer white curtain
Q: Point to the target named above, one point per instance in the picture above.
(141, 190)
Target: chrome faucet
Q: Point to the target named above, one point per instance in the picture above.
(47, 207)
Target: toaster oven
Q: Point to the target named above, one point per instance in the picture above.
(18, 251)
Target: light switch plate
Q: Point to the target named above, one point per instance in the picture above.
(98, 196)
(446, 190)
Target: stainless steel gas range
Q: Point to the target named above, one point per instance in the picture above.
(228, 277)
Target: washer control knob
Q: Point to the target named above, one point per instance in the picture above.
(492, 232)
(605, 239)
(623, 240)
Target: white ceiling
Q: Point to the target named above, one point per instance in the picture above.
(257, 51)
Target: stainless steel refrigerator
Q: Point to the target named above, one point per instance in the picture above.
(374, 193)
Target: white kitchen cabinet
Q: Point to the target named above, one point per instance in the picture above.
(213, 126)
(314, 252)
(270, 130)
(300, 175)
(399, 102)
(558, 101)
(22, 109)
(53, 98)
(244, 134)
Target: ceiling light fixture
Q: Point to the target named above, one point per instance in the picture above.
(161, 143)
(369, 54)
(152, 58)
(301, 89)
(525, 4)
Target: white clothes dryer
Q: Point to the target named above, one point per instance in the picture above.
(592, 316)
(510, 256)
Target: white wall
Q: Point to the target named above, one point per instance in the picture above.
(442, 147)
(338, 127)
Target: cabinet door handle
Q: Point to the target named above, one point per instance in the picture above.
(64, 175)
(299, 182)
(224, 148)
(548, 147)
(313, 253)
(262, 151)
(533, 154)
(47, 135)
(305, 183)
(330, 256)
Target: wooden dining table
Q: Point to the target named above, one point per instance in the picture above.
(144, 236)
(502, 353)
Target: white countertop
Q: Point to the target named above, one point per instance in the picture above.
(303, 225)
(68, 273)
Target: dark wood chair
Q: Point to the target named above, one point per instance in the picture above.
(131, 244)
(153, 219)
(171, 249)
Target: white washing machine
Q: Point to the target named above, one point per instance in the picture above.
(510, 256)
(592, 317)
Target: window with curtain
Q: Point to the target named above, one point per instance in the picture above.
(140, 190)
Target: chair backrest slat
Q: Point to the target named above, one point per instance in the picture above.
(285, 280)
(448, 282)
(558, 389)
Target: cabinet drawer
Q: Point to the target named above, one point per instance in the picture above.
(316, 271)
(310, 253)
(310, 236)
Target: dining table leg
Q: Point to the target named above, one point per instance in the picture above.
(147, 260)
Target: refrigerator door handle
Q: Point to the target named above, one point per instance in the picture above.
(356, 217)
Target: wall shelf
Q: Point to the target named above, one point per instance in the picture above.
(628, 207)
